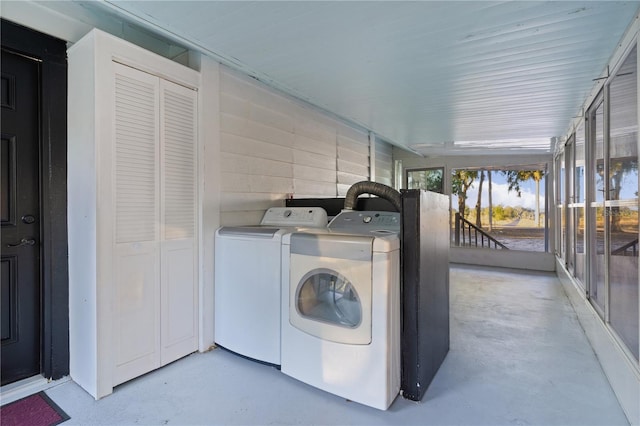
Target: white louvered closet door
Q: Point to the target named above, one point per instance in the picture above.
(178, 218)
(136, 247)
(155, 244)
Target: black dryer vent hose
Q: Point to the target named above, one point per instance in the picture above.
(375, 188)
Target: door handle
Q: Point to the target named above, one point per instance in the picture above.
(23, 242)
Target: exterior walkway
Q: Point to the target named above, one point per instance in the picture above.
(518, 357)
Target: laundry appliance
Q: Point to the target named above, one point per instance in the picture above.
(341, 307)
(248, 281)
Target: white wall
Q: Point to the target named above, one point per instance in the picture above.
(273, 146)
(352, 158)
(209, 172)
(383, 162)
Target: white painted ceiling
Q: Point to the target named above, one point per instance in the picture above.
(432, 76)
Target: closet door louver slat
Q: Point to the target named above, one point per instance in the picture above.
(136, 124)
(179, 165)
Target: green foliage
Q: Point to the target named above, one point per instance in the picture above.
(515, 177)
(430, 179)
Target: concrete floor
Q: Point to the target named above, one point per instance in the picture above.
(518, 357)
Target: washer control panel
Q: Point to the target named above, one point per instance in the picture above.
(313, 217)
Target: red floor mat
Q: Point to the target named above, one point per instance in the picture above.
(35, 410)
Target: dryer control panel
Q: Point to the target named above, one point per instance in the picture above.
(366, 221)
(313, 217)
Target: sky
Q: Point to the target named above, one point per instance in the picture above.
(501, 195)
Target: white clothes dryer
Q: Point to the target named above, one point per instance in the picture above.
(248, 281)
(341, 307)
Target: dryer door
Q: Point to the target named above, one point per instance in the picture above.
(325, 295)
(330, 298)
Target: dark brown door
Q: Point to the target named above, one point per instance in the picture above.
(21, 292)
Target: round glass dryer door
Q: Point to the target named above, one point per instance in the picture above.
(325, 295)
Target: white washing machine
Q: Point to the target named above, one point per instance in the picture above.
(248, 281)
(341, 307)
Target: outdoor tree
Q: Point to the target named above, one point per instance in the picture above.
(618, 168)
(490, 200)
(479, 201)
(498, 212)
(461, 181)
(432, 180)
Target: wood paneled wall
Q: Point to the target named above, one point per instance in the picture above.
(353, 158)
(273, 147)
(384, 162)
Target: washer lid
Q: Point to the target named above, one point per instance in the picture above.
(248, 231)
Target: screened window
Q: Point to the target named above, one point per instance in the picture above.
(427, 179)
(621, 203)
(499, 208)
